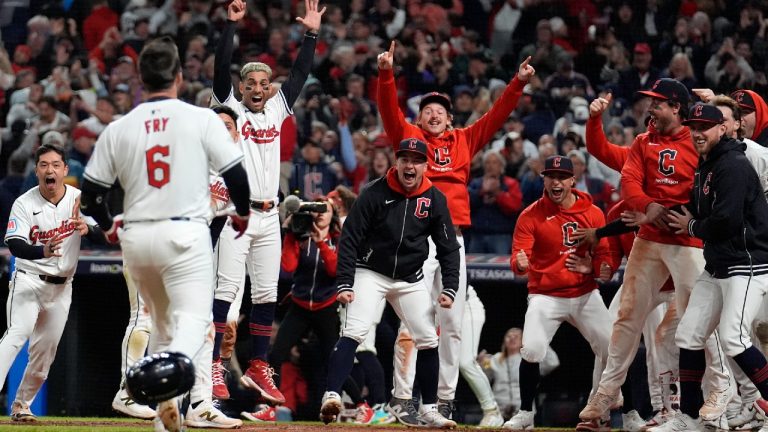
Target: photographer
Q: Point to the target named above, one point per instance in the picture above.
(310, 253)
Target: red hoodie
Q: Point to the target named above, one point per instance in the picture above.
(760, 135)
(660, 169)
(543, 232)
(612, 155)
(451, 153)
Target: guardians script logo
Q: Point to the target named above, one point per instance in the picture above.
(66, 229)
(259, 136)
(219, 191)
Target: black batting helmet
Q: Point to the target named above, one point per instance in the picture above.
(160, 377)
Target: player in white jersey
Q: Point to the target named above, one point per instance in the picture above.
(260, 120)
(161, 152)
(44, 231)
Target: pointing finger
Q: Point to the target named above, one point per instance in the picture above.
(525, 62)
(392, 49)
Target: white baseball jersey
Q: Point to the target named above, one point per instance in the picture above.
(260, 135)
(161, 152)
(219, 194)
(36, 220)
(758, 156)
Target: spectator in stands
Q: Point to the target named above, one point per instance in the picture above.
(532, 184)
(541, 120)
(566, 84)
(626, 24)
(601, 192)
(681, 69)
(495, 200)
(312, 177)
(462, 105)
(50, 118)
(514, 155)
(544, 54)
(727, 70)
(640, 75)
(503, 369)
(681, 42)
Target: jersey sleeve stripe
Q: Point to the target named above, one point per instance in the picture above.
(285, 101)
(97, 181)
(226, 167)
(16, 237)
(230, 96)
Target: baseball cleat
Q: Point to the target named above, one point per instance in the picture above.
(218, 374)
(598, 406)
(521, 421)
(747, 419)
(331, 407)
(492, 418)
(658, 419)
(445, 407)
(432, 418)
(596, 425)
(715, 405)
(404, 412)
(265, 413)
(363, 413)
(208, 416)
(258, 377)
(124, 404)
(632, 422)
(679, 422)
(20, 412)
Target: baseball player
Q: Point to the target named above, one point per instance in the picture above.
(383, 245)
(44, 232)
(259, 121)
(728, 211)
(160, 152)
(559, 291)
(657, 174)
(450, 153)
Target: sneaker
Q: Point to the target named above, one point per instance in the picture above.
(432, 418)
(523, 420)
(745, 420)
(263, 413)
(598, 406)
(381, 416)
(169, 415)
(208, 416)
(445, 407)
(716, 403)
(632, 422)
(258, 377)
(404, 411)
(331, 407)
(363, 413)
(658, 419)
(678, 422)
(218, 374)
(492, 418)
(125, 404)
(761, 405)
(717, 425)
(597, 425)
(20, 412)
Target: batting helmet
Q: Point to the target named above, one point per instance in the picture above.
(160, 377)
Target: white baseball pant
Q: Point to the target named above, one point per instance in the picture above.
(172, 265)
(137, 332)
(472, 326)
(408, 299)
(652, 358)
(450, 323)
(36, 311)
(648, 267)
(587, 313)
(203, 387)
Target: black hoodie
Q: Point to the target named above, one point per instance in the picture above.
(730, 212)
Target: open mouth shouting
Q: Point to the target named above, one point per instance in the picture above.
(50, 181)
(557, 193)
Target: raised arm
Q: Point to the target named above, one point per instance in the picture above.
(303, 64)
(222, 80)
(389, 108)
(612, 155)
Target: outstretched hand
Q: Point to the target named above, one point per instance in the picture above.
(387, 59)
(526, 71)
(236, 10)
(312, 17)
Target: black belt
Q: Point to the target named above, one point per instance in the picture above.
(56, 280)
(262, 205)
(175, 218)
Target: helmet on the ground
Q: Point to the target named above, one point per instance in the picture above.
(160, 377)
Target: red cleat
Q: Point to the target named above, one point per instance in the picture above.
(266, 413)
(218, 373)
(259, 377)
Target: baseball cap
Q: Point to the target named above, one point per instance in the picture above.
(462, 89)
(557, 164)
(745, 100)
(435, 97)
(642, 48)
(125, 59)
(123, 87)
(701, 113)
(82, 132)
(52, 137)
(412, 145)
(668, 89)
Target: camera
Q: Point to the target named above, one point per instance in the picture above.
(302, 216)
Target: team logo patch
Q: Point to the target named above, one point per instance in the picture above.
(707, 182)
(11, 226)
(568, 229)
(422, 207)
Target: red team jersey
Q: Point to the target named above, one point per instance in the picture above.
(451, 153)
(544, 231)
(612, 155)
(660, 168)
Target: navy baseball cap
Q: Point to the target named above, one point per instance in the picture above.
(745, 100)
(435, 97)
(558, 164)
(668, 89)
(706, 114)
(412, 145)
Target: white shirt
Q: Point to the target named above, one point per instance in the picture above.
(260, 139)
(36, 220)
(758, 156)
(161, 152)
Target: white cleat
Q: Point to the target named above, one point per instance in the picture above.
(125, 404)
(432, 418)
(632, 422)
(208, 416)
(716, 404)
(492, 418)
(331, 407)
(523, 420)
(679, 422)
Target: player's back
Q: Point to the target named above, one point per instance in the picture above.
(160, 153)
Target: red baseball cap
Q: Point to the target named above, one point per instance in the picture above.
(81, 132)
(642, 48)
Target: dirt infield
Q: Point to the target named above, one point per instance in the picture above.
(69, 424)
